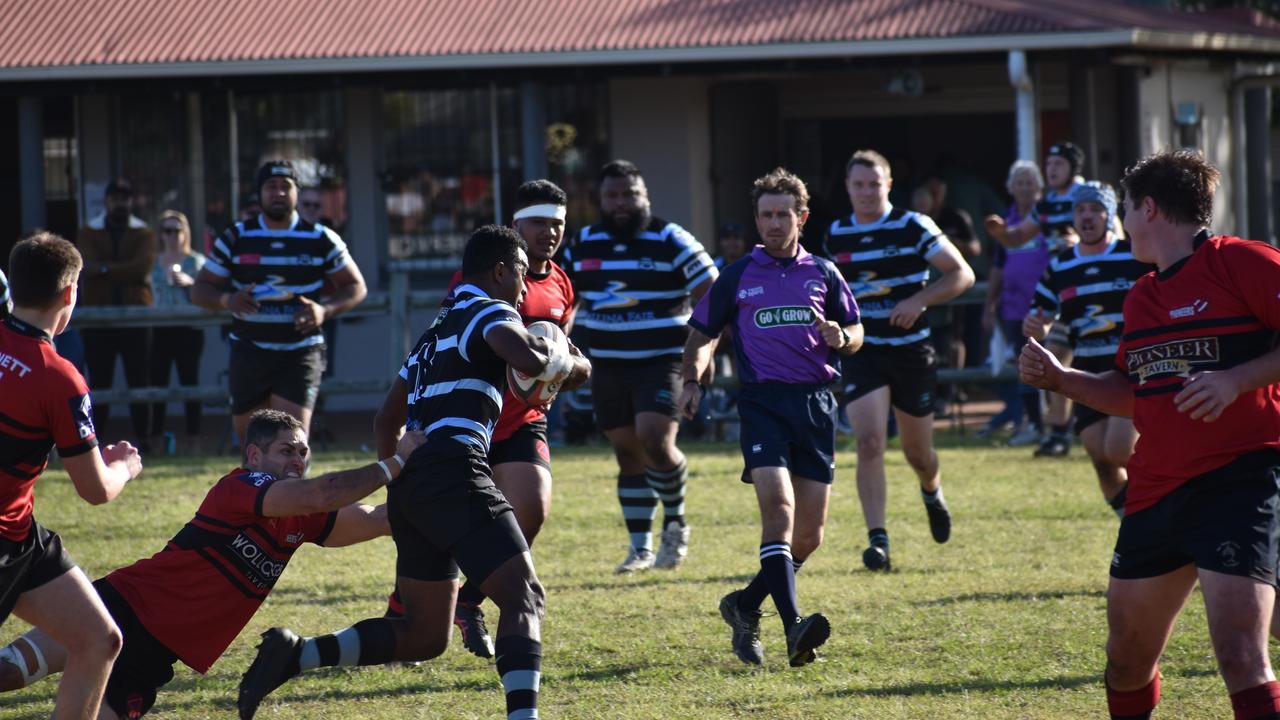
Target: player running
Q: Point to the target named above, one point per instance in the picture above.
(189, 601)
(520, 457)
(1084, 289)
(1197, 370)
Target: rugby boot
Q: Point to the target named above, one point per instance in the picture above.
(638, 559)
(939, 520)
(475, 634)
(805, 637)
(276, 662)
(746, 629)
(876, 557)
(675, 546)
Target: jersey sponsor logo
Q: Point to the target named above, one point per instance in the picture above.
(1175, 358)
(865, 287)
(867, 240)
(750, 292)
(646, 263)
(613, 297)
(620, 248)
(265, 568)
(295, 538)
(1094, 270)
(249, 259)
(267, 290)
(771, 317)
(260, 478)
(557, 312)
(82, 415)
(277, 245)
(1090, 324)
(1191, 310)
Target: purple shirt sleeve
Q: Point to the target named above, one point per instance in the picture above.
(717, 307)
(840, 305)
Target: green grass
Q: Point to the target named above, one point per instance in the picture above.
(1005, 621)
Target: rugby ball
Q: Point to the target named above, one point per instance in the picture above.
(537, 391)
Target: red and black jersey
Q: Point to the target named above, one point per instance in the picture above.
(1214, 310)
(44, 403)
(547, 297)
(197, 594)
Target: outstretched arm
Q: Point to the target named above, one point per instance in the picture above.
(357, 523)
(100, 476)
(1108, 392)
(332, 491)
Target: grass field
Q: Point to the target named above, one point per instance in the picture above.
(1005, 621)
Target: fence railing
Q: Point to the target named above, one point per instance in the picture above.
(397, 303)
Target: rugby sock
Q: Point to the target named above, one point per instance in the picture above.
(470, 593)
(1134, 704)
(1117, 502)
(1260, 702)
(1063, 433)
(639, 503)
(395, 608)
(757, 590)
(930, 498)
(780, 575)
(879, 537)
(670, 484)
(368, 642)
(519, 661)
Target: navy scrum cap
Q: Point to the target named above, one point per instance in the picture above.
(1073, 154)
(276, 168)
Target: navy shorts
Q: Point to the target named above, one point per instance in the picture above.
(619, 391)
(910, 371)
(445, 513)
(790, 426)
(1226, 520)
(255, 374)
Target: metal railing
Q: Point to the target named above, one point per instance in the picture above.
(397, 303)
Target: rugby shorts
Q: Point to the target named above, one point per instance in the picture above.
(29, 563)
(909, 371)
(789, 426)
(528, 444)
(143, 666)
(254, 374)
(620, 391)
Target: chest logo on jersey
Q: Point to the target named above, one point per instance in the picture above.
(1191, 310)
(295, 538)
(772, 317)
(1176, 358)
(750, 292)
(265, 568)
(612, 297)
(865, 287)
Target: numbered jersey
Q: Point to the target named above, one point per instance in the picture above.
(44, 403)
(455, 381)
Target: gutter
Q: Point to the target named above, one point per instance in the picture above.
(1127, 38)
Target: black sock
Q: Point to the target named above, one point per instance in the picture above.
(757, 590)
(470, 593)
(519, 661)
(879, 537)
(780, 575)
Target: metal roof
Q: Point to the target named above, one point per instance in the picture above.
(122, 38)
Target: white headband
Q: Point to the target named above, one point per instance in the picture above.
(546, 210)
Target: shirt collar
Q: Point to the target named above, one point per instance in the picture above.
(469, 289)
(762, 256)
(25, 328)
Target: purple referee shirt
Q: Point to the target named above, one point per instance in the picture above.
(774, 306)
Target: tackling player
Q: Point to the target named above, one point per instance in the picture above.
(189, 601)
(1197, 370)
(1084, 289)
(885, 254)
(520, 457)
(44, 403)
(446, 513)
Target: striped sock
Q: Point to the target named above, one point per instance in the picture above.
(639, 504)
(670, 484)
(780, 576)
(519, 661)
(757, 590)
(368, 642)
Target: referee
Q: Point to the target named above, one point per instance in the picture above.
(792, 316)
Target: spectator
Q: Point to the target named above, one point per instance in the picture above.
(270, 273)
(118, 250)
(731, 243)
(310, 204)
(179, 346)
(1011, 285)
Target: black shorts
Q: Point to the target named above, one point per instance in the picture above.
(446, 513)
(1086, 416)
(910, 371)
(143, 665)
(621, 390)
(29, 563)
(1227, 521)
(790, 426)
(254, 374)
(528, 444)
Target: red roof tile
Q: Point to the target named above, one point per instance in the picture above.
(62, 33)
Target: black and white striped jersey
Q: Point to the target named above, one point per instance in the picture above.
(635, 292)
(282, 265)
(454, 379)
(1086, 294)
(1056, 211)
(885, 262)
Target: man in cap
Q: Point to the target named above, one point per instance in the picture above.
(270, 272)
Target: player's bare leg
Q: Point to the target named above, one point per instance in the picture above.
(869, 417)
(667, 473)
(69, 610)
(1140, 617)
(521, 600)
(1239, 613)
(1109, 442)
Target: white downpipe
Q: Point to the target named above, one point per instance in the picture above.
(1028, 128)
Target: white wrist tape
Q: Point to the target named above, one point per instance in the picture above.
(559, 364)
(386, 470)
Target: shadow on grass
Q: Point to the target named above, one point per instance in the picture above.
(947, 688)
(652, 579)
(1011, 597)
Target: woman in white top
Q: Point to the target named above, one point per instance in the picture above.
(171, 279)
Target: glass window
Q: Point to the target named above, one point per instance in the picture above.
(151, 151)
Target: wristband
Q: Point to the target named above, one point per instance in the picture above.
(386, 470)
(399, 460)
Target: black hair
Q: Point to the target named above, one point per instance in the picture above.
(40, 268)
(265, 426)
(537, 192)
(619, 169)
(490, 245)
